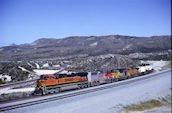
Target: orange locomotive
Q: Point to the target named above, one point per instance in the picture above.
(52, 83)
(132, 72)
(122, 74)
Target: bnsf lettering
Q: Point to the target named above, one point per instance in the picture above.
(68, 79)
(82, 78)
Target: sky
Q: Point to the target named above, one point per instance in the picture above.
(24, 21)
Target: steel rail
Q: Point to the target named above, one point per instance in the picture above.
(27, 82)
(16, 84)
(11, 107)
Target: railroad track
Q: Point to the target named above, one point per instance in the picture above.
(17, 84)
(27, 82)
(11, 107)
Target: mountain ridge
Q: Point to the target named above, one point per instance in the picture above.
(91, 45)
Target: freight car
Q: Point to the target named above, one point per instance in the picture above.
(144, 69)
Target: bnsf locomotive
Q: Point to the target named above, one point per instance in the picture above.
(51, 83)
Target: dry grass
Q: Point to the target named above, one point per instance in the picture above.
(144, 105)
(167, 66)
(163, 102)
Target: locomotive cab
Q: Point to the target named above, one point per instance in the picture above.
(46, 79)
(42, 82)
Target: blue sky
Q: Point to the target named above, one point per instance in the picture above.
(24, 21)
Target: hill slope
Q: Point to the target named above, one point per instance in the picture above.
(88, 46)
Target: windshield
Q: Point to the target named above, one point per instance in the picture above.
(44, 77)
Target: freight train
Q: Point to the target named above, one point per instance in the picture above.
(52, 83)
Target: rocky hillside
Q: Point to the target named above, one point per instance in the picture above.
(100, 63)
(78, 54)
(43, 49)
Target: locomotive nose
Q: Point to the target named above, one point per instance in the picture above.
(39, 83)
